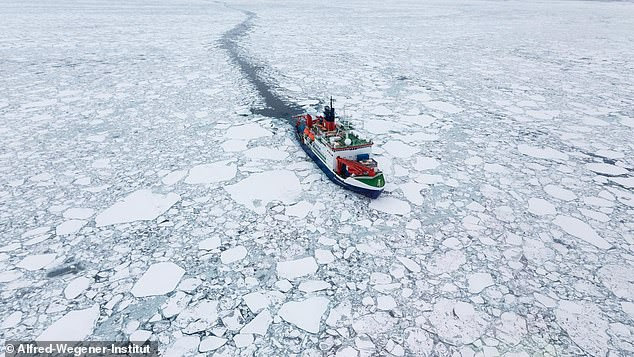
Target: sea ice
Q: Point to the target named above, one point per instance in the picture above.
(293, 269)
(541, 153)
(74, 326)
(265, 153)
(390, 205)
(259, 325)
(583, 322)
(209, 243)
(211, 173)
(173, 177)
(12, 320)
(479, 281)
(36, 261)
(69, 227)
(247, 132)
(76, 287)
(211, 343)
(560, 192)
(399, 149)
(139, 205)
(256, 301)
(281, 185)
(159, 279)
(183, 346)
(78, 213)
(409, 264)
(385, 302)
(540, 206)
(305, 314)
(606, 169)
(580, 229)
(455, 322)
(310, 286)
(443, 107)
(233, 255)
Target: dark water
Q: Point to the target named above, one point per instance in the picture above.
(275, 106)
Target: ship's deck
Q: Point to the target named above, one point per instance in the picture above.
(336, 139)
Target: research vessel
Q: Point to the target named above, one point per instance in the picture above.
(339, 152)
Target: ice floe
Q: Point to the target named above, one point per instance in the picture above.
(74, 326)
(36, 261)
(296, 268)
(390, 205)
(281, 185)
(139, 205)
(233, 255)
(305, 314)
(211, 173)
(159, 279)
(580, 229)
(247, 132)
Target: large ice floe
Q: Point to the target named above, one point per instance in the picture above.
(152, 188)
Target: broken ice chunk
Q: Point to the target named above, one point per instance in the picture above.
(232, 255)
(76, 287)
(212, 173)
(305, 314)
(580, 229)
(36, 261)
(259, 325)
(211, 343)
(390, 205)
(74, 326)
(139, 205)
(479, 281)
(247, 132)
(159, 279)
(281, 185)
(296, 268)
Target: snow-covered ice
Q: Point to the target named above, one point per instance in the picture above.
(292, 269)
(158, 279)
(211, 173)
(152, 187)
(257, 190)
(305, 314)
(139, 205)
(73, 326)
